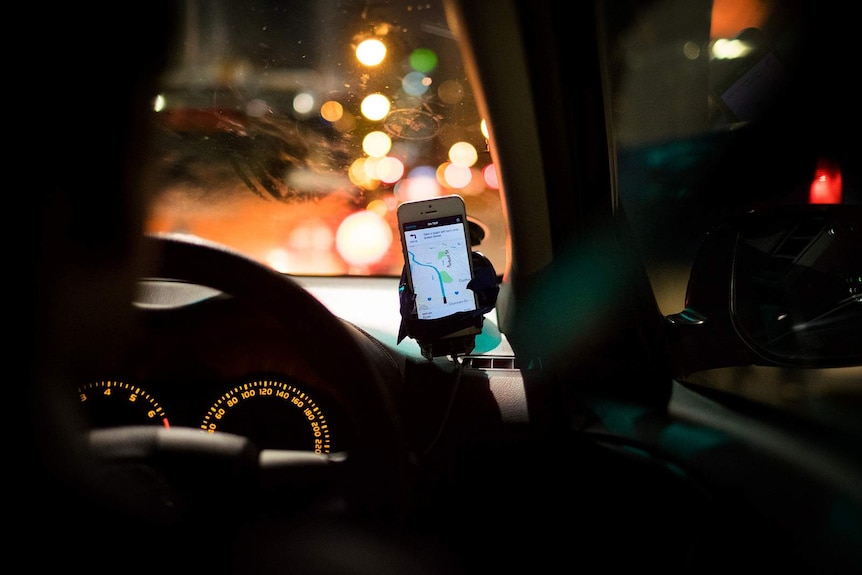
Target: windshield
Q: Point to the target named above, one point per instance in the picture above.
(295, 144)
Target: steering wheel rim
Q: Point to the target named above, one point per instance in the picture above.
(375, 473)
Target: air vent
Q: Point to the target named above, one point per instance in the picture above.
(488, 362)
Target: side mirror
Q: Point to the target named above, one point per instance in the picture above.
(779, 286)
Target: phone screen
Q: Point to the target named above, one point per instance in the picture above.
(439, 255)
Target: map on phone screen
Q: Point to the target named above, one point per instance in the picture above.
(439, 259)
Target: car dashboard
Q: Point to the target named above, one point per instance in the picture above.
(204, 360)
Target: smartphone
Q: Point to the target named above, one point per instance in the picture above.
(435, 238)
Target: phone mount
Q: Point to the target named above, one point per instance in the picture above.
(453, 334)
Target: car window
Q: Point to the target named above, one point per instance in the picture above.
(719, 108)
(295, 144)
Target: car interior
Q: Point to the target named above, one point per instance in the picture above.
(669, 366)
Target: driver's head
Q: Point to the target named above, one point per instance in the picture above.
(84, 101)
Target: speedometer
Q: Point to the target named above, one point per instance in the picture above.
(273, 414)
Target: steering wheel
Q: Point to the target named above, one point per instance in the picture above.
(372, 476)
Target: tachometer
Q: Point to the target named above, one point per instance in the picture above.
(273, 414)
(110, 403)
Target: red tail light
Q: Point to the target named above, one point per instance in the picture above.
(826, 186)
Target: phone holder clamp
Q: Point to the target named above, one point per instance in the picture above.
(453, 334)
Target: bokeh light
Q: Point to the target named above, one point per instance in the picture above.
(451, 92)
(375, 106)
(456, 176)
(363, 238)
(489, 175)
(415, 83)
(376, 144)
(331, 111)
(370, 167)
(420, 184)
(371, 52)
(729, 49)
(389, 170)
(359, 175)
(303, 103)
(423, 60)
(463, 154)
(379, 207)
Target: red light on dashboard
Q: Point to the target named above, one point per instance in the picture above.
(826, 186)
